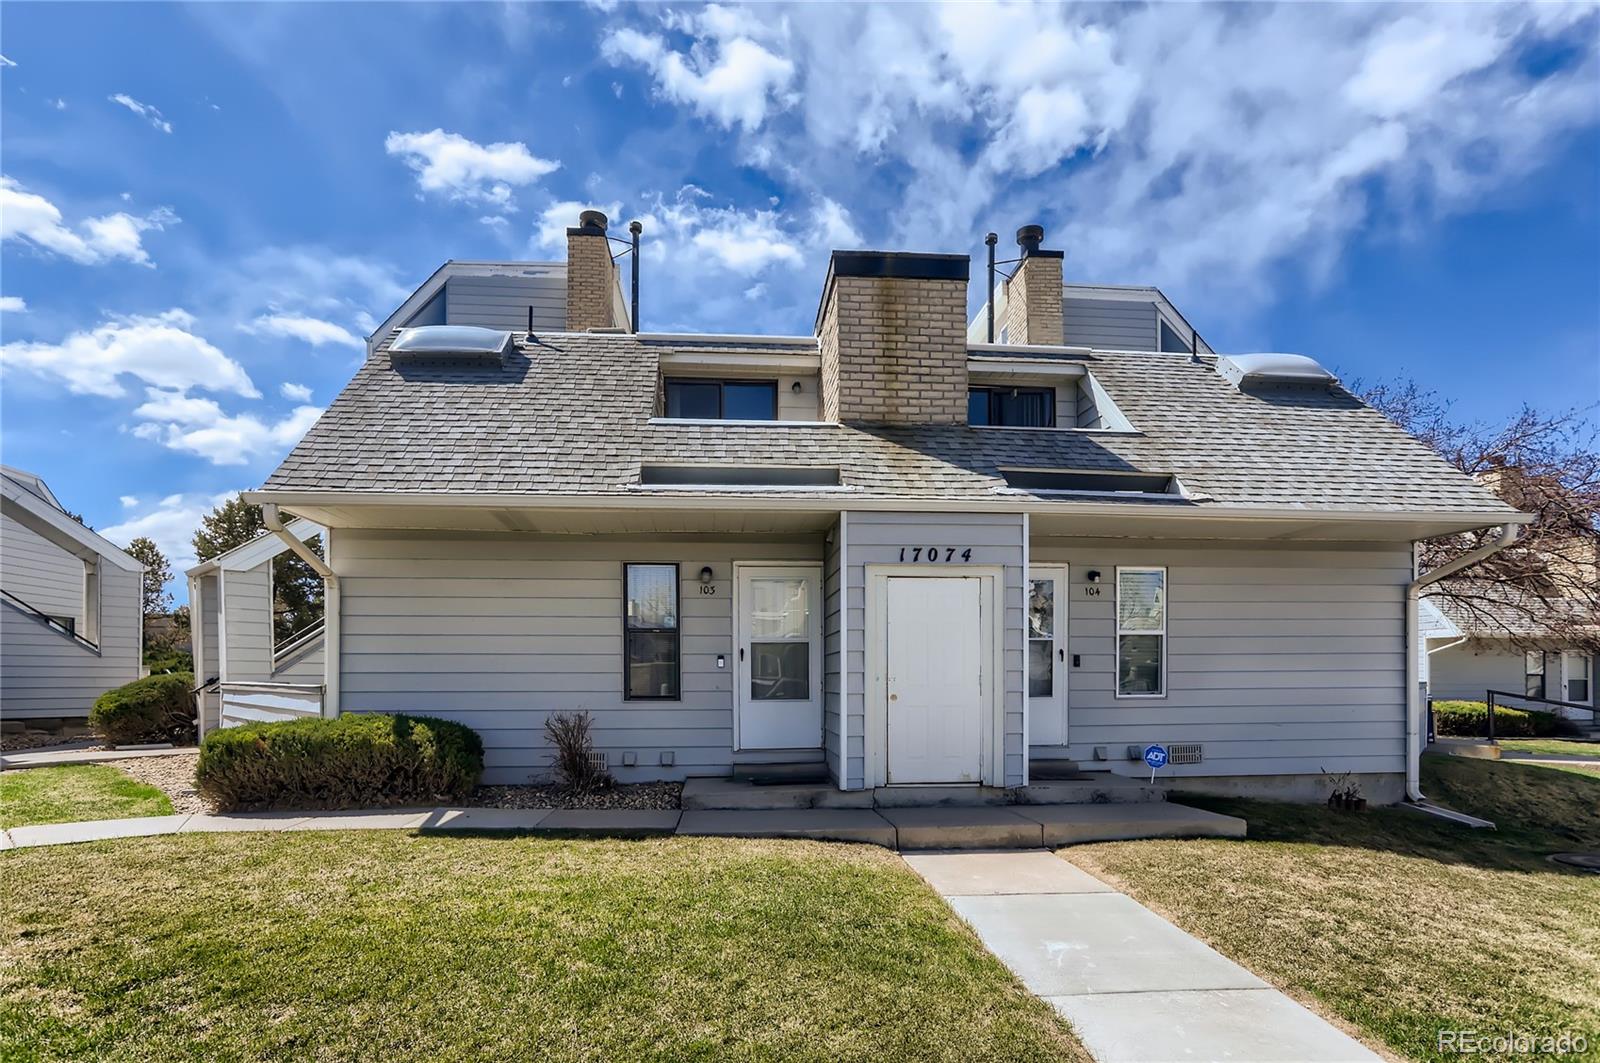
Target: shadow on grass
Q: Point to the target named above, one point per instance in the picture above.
(1536, 811)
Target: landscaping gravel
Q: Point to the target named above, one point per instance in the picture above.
(16, 743)
(173, 775)
(648, 795)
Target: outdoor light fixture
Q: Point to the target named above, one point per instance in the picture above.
(706, 574)
(795, 387)
(1093, 575)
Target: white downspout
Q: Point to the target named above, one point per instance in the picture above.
(1508, 535)
(330, 606)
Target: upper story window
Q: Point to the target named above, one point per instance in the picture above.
(1170, 340)
(1012, 407)
(722, 400)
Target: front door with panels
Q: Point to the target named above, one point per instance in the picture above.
(1047, 655)
(935, 679)
(778, 678)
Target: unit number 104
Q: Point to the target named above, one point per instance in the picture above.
(940, 554)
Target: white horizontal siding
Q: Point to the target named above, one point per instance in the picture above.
(1280, 659)
(503, 302)
(500, 631)
(39, 572)
(247, 623)
(1110, 324)
(44, 673)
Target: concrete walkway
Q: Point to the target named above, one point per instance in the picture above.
(1134, 987)
(897, 828)
(57, 757)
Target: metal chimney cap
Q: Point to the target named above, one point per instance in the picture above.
(636, 227)
(593, 219)
(1029, 237)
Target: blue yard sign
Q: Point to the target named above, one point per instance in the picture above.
(1156, 757)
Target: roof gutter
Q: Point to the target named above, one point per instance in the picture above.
(1509, 533)
(330, 604)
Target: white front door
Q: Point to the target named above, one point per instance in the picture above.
(934, 678)
(778, 674)
(1047, 655)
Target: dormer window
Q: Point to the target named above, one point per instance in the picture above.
(1012, 407)
(722, 400)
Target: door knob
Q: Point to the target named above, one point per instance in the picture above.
(894, 697)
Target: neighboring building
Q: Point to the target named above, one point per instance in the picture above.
(884, 552)
(1506, 642)
(71, 628)
(247, 672)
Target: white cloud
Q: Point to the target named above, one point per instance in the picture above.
(200, 426)
(756, 291)
(143, 110)
(725, 75)
(32, 218)
(295, 392)
(450, 164)
(745, 243)
(6, 62)
(58, 103)
(832, 228)
(162, 351)
(1203, 147)
(551, 230)
(171, 524)
(312, 330)
(128, 501)
(13, 304)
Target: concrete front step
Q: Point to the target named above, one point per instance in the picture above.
(823, 824)
(1107, 789)
(735, 795)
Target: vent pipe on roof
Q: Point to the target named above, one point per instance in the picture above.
(989, 241)
(635, 228)
(1029, 237)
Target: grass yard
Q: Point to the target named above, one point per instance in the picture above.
(75, 792)
(395, 946)
(1398, 924)
(1552, 747)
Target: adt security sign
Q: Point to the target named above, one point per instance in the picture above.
(1156, 757)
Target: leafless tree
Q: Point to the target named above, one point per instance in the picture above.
(1546, 587)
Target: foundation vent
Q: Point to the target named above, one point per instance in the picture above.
(1185, 753)
(597, 759)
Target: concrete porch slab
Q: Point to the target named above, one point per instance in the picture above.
(994, 874)
(56, 757)
(502, 819)
(1072, 824)
(1239, 1025)
(823, 824)
(939, 796)
(737, 794)
(1106, 789)
(95, 830)
(610, 821)
(1061, 945)
(963, 827)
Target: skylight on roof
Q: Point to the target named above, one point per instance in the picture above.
(1091, 482)
(1273, 370)
(450, 343)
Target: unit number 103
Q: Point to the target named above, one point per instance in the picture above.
(939, 554)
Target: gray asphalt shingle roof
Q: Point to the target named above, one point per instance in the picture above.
(571, 414)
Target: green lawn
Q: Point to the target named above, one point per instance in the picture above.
(394, 946)
(1397, 924)
(1553, 747)
(73, 793)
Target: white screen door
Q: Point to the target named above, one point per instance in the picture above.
(935, 696)
(1047, 655)
(778, 678)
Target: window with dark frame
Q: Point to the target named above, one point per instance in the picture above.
(1011, 407)
(651, 670)
(722, 400)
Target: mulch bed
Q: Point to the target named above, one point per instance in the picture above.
(636, 796)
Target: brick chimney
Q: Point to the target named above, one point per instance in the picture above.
(591, 276)
(892, 329)
(1033, 294)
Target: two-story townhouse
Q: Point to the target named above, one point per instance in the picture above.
(883, 553)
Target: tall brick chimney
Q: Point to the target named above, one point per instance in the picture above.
(1033, 294)
(591, 276)
(892, 329)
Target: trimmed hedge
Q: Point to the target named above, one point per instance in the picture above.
(1470, 719)
(157, 708)
(359, 760)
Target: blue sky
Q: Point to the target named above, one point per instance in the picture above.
(205, 209)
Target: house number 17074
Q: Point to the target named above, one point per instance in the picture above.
(939, 554)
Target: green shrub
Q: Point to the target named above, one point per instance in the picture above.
(157, 708)
(158, 662)
(1470, 719)
(359, 760)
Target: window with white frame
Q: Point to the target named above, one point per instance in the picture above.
(1141, 632)
(1533, 673)
(1576, 668)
